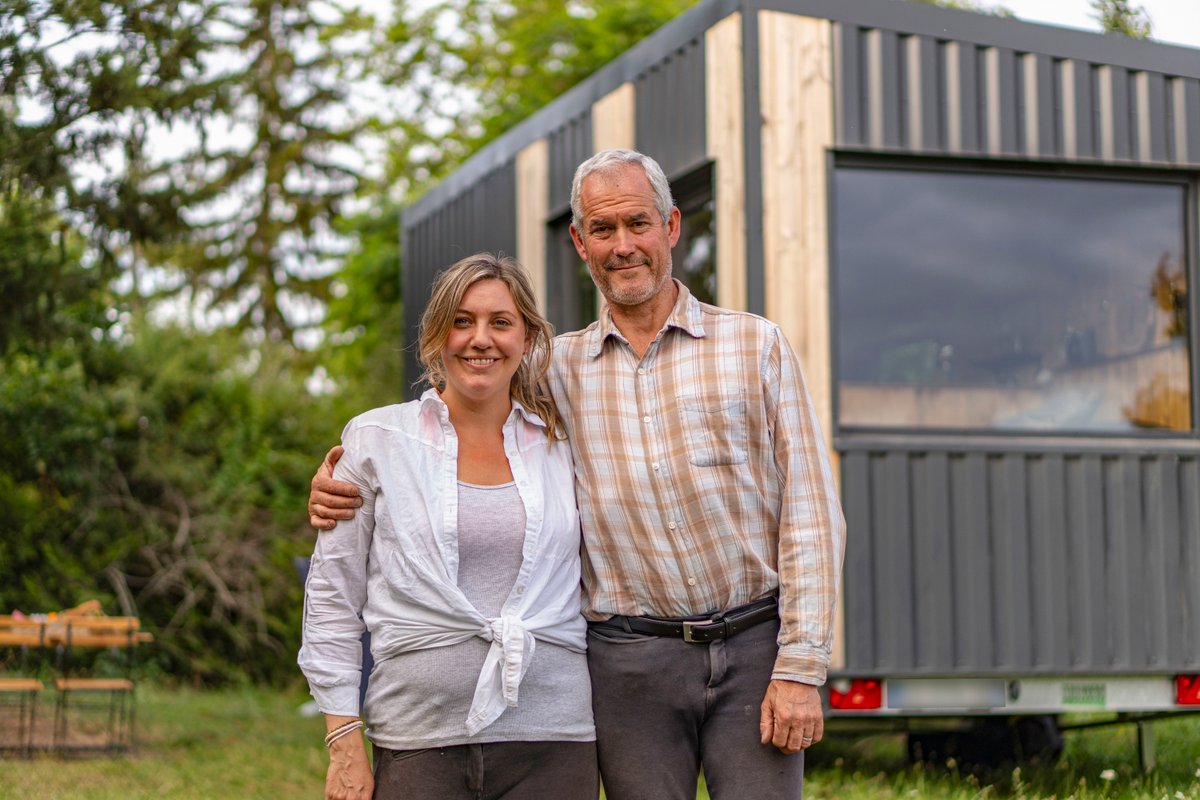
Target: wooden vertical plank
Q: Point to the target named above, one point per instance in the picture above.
(725, 139)
(613, 120)
(796, 98)
(533, 209)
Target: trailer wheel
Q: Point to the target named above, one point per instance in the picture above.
(991, 743)
(1039, 739)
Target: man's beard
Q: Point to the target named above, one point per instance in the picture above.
(634, 295)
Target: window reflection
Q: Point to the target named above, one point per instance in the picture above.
(1010, 302)
(694, 258)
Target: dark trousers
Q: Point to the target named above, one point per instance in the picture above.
(664, 707)
(494, 771)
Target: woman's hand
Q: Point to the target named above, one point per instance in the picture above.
(349, 776)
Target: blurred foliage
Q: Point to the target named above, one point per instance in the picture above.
(204, 146)
(1122, 18)
(520, 55)
(970, 5)
(163, 472)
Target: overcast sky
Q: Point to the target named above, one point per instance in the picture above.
(1175, 21)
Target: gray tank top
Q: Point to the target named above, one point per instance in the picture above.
(420, 699)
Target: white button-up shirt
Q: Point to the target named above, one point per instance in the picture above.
(396, 562)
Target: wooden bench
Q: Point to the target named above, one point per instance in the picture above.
(115, 695)
(21, 632)
(64, 634)
(25, 691)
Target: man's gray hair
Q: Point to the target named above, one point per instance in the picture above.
(607, 160)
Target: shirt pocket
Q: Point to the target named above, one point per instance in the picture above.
(714, 429)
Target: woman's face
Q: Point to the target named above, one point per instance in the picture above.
(485, 346)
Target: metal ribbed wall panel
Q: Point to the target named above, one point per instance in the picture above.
(1052, 562)
(482, 218)
(900, 92)
(670, 102)
(569, 145)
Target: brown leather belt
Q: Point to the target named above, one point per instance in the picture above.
(700, 629)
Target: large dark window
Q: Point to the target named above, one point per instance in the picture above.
(1010, 302)
(694, 257)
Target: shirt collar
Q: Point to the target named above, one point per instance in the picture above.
(432, 403)
(685, 315)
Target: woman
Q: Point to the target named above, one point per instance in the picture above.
(463, 563)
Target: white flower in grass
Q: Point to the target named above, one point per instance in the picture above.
(1108, 775)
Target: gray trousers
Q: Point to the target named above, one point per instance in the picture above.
(664, 707)
(494, 771)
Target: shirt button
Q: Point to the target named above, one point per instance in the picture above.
(520, 590)
(646, 419)
(691, 581)
(655, 466)
(641, 371)
(671, 524)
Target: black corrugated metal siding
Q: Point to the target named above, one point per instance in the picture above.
(569, 145)
(670, 101)
(989, 561)
(921, 94)
(484, 217)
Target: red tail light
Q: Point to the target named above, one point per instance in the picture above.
(856, 695)
(1187, 690)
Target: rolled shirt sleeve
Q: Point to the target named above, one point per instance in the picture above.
(335, 593)
(812, 529)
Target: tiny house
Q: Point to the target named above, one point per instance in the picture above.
(980, 235)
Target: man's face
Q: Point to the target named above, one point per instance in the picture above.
(624, 241)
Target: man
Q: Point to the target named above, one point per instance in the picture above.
(713, 536)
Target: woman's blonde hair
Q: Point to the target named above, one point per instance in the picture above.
(448, 291)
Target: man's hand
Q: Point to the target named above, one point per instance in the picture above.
(331, 500)
(791, 716)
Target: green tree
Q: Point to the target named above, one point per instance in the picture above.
(469, 70)
(223, 133)
(970, 5)
(163, 473)
(1122, 18)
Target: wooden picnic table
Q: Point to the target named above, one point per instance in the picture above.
(81, 627)
(81, 631)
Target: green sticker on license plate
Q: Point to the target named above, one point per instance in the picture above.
(1084, 694)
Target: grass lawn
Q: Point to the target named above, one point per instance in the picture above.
(251, 743)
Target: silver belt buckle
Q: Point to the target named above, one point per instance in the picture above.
(687, 630)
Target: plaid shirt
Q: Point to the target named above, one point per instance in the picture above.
(701, 475)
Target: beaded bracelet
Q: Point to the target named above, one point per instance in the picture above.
(341, 731)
